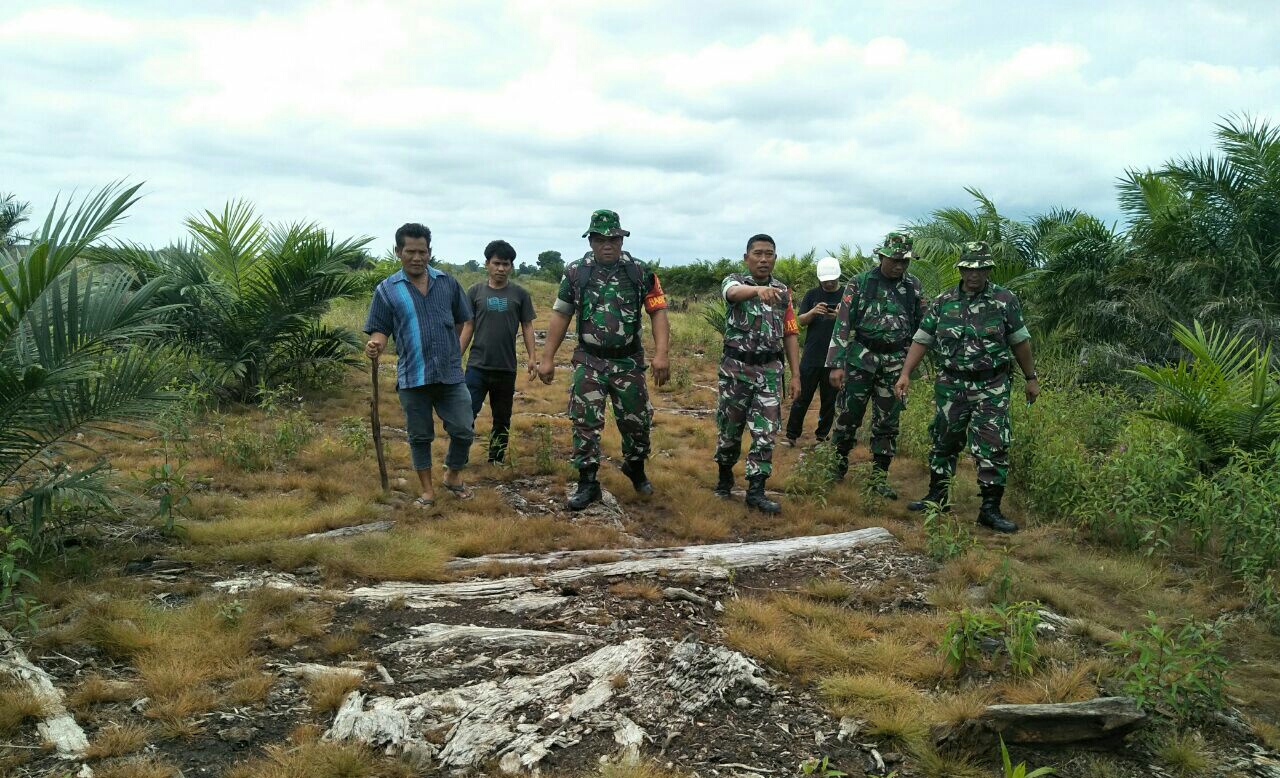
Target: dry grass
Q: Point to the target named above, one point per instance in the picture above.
(327, 691)
(933, 763)
(828, 589)
(136, 768)
(959, 707)
(900, 725)
(118, 740)
(636, 590)
(1265, 731)
(319, 759)
(340, 644)
(849, 693)
(95, 690)
(1184, 752)
(17, 707)
(1075, 683)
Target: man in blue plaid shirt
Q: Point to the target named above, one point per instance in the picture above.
(422, 308)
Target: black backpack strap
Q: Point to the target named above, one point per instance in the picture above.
(581, 280)
(864, 299)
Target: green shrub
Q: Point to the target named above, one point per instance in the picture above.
(1182, 671)
(241, 444)
(962, 641)
(1134, 494)
(814, 475)
(17, 610)
(946, 536)
(355, 434)
(1013, 626)
(1235, 512)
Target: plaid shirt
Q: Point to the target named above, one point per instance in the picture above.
(425, 327)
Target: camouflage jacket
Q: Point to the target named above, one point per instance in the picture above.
(874, 310)
(752, 326)
(973, 332)
(610, 306)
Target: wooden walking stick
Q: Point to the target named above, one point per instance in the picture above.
(377, 426)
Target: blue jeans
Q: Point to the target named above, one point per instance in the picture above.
(452, 403)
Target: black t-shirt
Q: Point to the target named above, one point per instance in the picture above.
(817, 335)
(498, 316)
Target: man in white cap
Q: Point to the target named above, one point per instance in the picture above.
(818, 317)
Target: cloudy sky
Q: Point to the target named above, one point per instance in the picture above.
(701, 123)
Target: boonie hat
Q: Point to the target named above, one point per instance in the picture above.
(897, 245)
(975, 256)
(605, 222)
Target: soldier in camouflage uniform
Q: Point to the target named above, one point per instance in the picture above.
(877, 316)
(760, 327)
(972, 330)
(607, 290)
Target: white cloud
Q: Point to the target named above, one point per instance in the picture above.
(701, 124)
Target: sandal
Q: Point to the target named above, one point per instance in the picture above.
(423, 502)
(459, 490)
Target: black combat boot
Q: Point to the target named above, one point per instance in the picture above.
(989, 514)
(635, 471)
(939, 486)
(588, 490)
(880, 471)
(724, 487)
(756, 498)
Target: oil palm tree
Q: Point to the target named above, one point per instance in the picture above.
(1207, 228)
(12, 213)
(1016, 246)
(252, 297)
(69, 356)
(1226, 394)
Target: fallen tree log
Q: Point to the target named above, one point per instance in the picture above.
(725, 554)
(346, 532)
(57, 727)
(432, 636)
(617, 688)
(702, 562)
(1101, 719)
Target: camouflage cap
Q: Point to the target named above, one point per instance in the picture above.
(897, 245)
(975, 256)
(605, 222)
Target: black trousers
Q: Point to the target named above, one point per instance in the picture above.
(500, 386)
(811, 380)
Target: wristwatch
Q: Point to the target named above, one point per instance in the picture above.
(1030, 377)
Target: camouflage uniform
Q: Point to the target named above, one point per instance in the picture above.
(971, 337)
(874, 324)
(750, 377)
(608, 362)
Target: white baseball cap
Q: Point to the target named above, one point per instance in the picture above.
(828, 269)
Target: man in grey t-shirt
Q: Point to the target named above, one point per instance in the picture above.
(500, 309)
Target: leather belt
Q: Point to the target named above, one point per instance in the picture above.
(753, 357)
(977, 375)
(618, 352)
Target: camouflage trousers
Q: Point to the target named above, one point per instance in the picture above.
(750, 396)
(976, 412)
(589, 389)
(873, 386)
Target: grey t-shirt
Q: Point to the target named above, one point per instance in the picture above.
(498, 316)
